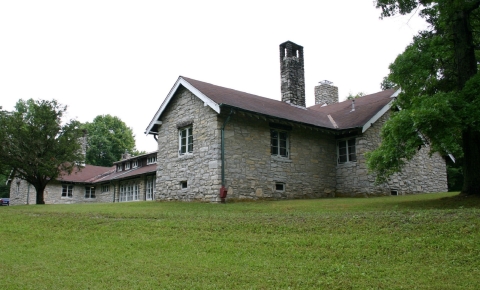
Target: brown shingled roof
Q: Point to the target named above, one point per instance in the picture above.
(365, 108)
(86, 174)
(257, 104)
(217, 97)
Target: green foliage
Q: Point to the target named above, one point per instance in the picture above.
(358, 95)
(108, 138)
(439, 105)
(371, 243)
(4, 189)
(38, 144)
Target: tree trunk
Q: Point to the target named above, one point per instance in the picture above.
(466, 67)
(471, 163)
(40, 195)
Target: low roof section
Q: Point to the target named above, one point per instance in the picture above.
(217, 97)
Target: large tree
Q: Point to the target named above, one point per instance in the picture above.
(37, 145)
(440, 101)
(108, 138)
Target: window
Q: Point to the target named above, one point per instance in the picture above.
(119, 167)
(279, 143)
(134, 163)
(183, 184)
(129, 191)
(185, 141)
(394, 192)
(67, 190)
(151, 160)
(279, 186)
(150, 188)
(346, 151)
(105, 188)
(89, 191)
(127, 165)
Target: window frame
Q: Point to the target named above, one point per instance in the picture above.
(186, 148)
(90, 192)
(151, 160)
(278, 144)
(348, 147)
(67, 189)
(105, 188)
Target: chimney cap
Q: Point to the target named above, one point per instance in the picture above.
(325, 82)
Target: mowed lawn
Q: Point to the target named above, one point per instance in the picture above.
(427, 241)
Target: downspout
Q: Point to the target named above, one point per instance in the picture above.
(223, 190)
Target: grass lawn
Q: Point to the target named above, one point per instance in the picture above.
(427, 241)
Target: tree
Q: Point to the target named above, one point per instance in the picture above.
(440, 101)
(108, 138)
(358, 95)
(37, 145)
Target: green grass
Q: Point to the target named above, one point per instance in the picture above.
(407, 242)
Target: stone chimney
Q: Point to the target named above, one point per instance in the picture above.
(326, 93)
(292, 73)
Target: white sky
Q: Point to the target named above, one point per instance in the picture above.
(122, 57)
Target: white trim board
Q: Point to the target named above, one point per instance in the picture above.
(181, 81)
(380, 113)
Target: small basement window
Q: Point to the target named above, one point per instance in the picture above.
(183, 184)
(279, 186)
(394, 192)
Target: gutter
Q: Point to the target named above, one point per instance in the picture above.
(223, 190)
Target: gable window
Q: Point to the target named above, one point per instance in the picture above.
(67, 190)
(346, 151)
(279, 143)
(127, 165)
(89, 191)
(185, 141)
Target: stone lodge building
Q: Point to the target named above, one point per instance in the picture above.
(215, 142)
(130, 179)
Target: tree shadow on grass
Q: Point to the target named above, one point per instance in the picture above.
(451, 202)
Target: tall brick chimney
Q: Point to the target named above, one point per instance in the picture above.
(326, 93)
(292, 73)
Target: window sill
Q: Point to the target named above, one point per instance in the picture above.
(185, 156)
(280, 158)
(347, 164)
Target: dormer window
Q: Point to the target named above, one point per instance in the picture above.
(127, 165)
(135, 164)
(119, 167)
(151, 160)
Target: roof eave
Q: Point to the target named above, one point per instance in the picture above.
(180, 81)
(382, 111)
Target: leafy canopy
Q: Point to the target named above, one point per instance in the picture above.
(37, 145)
(108, 138)
(440, 101)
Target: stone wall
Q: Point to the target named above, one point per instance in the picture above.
(251, 172)
(21, 192)
(201, 169)
(420, 175)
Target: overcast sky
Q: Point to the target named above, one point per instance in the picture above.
(122, 57)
